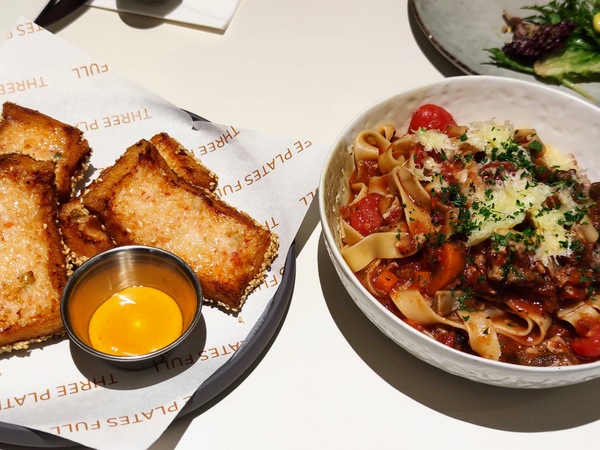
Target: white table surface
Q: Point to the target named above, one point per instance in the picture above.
(330, 379)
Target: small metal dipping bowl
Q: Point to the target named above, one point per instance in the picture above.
(114, 270)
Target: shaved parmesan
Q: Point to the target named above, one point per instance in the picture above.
(554, 158)
(434, 140)
(505, 206)
(489, 135)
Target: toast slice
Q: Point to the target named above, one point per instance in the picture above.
(141, 200)
(32, 133)
(84, 233)
(33, 269)
(184, 163)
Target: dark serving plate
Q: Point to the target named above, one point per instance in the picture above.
(250, 351)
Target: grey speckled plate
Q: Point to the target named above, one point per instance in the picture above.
(462, 29)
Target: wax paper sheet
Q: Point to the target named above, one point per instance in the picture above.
(56, 388)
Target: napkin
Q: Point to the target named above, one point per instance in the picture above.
(207, 13)
(55, 388)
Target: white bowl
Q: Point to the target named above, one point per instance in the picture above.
(567, 123)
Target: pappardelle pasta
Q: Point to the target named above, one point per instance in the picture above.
(478, 235)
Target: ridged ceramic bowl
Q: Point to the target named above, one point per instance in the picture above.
(569, 124)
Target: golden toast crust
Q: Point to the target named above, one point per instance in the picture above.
(32, 133)
(141, 200)
(32, 260)
(83, 233)
(183, 162)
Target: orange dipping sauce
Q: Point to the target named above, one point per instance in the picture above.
(135, 321)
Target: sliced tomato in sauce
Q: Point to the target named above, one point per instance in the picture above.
(364, 216)
(430, 117)
(587, 346)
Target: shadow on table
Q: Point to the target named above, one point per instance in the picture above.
(516, 410)
(151, 14)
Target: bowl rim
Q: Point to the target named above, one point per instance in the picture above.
(335, 253)
(84, 268)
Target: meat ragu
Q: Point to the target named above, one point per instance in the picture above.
(478, 235)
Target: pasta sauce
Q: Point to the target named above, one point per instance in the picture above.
(479, 235)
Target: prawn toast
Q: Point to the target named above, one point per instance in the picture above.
(32, 133)
(33, 269)
(85, 234)
(142, 200)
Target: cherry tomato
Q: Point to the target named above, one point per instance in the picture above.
(364, 215)
(589, 346)
(430, 117)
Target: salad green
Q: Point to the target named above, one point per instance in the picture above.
(560, 41)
